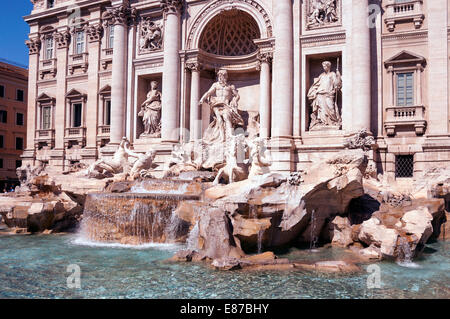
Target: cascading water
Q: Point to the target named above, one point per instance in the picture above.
(192, 240)
(313, 242)
(405, 256)
(131, 218)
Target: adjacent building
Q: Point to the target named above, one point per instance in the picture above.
(92, 64)
(13, 121)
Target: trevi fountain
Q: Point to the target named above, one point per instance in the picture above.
(216, 221)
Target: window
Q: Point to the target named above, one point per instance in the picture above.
(2, 139)
(1, 162)
(18, 163)
(19, 95)
(405, 89)
(3, 116)
(49, 48)
(50, 4)
(77, 109)
(111, 37)
(19, 143)
(79, 42)
(404, 166)
(46, 117)
(2, 91)
(107, 120)
(19, 119)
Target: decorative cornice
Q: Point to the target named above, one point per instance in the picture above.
(34, 45)
(172, 6)
(62, 39)
(323, 38)
(94, 33)
(405, 35)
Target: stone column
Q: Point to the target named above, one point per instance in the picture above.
(195, 122)
(34, 45)
(264, 93)
(62, 41)
(94, 33)
(118, 16)
(282, 144)
(170, 131)
(283, 68)
(361, 84)
(437, 68)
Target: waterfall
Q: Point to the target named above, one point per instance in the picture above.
(130, 218)
(313, 241)
(192, 240)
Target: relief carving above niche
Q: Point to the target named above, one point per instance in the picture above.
(150, 35)
(323, 13)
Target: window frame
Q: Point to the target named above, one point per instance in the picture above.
(15, 142)
(79, 38)
(6, 117)
(17, 95)
(49, 48)
(405, 96)
(23, 119)
(110, 44)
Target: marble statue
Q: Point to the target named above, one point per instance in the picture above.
(151, 112)
(181, 160)
(151, 38)
(322, 12)
(108, 167)
(142, 165)
(233, 171)
(223, 99)
(260, 157)
(322, 94)
(363, 139)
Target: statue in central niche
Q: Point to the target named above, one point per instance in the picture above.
(323, 97)
(223, 100)
(151, 112)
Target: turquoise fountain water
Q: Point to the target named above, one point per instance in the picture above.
(35, 266)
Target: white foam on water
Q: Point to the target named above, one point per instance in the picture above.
(408, 264)
(160, 246)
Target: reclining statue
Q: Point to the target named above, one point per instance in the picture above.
(142, 165)
(107, 167)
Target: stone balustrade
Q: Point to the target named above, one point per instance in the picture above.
(404, 12)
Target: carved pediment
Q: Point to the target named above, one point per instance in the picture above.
(44, 98)
(75, 94)
(105, 90)
(405, 57)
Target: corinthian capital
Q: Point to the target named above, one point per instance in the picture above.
(193, 66)
(34, 45)
(94, 32)
(62, 39)
(265, 57)
(121, 14)
(172, 6)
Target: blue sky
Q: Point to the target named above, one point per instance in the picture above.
(14, 31)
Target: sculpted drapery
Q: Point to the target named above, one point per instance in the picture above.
(322, 94)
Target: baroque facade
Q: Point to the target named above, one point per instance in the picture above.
(305, 75)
